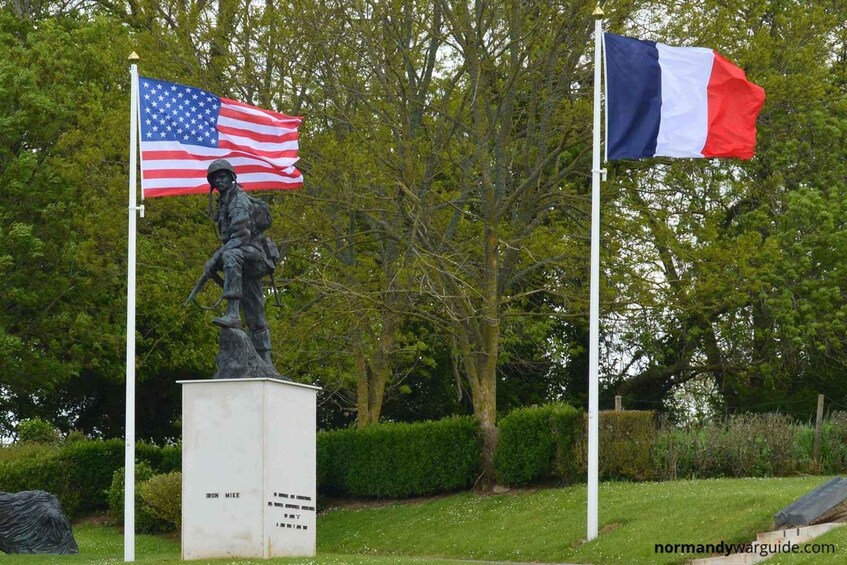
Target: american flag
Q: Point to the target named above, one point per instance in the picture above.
(183, 129)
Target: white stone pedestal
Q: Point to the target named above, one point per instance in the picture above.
(248, 469)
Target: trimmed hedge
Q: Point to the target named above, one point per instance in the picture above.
(627, 442)
(78, 473)
(398, 459)
(536, 443)
(90, 466)
(549, 442)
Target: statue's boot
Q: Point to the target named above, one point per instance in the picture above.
(230, 319)
(262, 343)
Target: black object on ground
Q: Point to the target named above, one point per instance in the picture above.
(824, 504)
(32, 521)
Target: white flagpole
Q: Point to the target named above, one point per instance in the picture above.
(594, 316)
(129, 453)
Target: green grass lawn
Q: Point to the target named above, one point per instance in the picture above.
(550, 525)
(546, 525)
(104, 544)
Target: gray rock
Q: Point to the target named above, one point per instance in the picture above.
(237, 358)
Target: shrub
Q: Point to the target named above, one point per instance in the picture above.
(672, 453)
(833, 443)
(627, 443)
(161, 496)
(89, 467)
(75, 436)
(746, 445)
(567, 425)
(398, 459)
(535, 442)
(79, 473)
(37, 431)
(171, 459)
(39, 470)
(145, 521)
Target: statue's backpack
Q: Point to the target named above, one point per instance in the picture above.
(260, 214)
(260, 220)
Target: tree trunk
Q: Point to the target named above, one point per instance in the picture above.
(372, 376)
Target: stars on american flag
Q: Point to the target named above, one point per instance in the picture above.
(172, 112)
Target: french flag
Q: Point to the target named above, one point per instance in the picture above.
(677, 102)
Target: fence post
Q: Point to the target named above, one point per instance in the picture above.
(618, 407)
(816, 455)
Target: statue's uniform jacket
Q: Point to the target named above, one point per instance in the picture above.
(243, 261)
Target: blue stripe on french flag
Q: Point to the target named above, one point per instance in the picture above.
(677, 102)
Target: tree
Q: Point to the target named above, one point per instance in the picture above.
(64, 150)
(500, 208)
(733, 266)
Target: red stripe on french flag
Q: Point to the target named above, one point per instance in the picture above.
(734, 105)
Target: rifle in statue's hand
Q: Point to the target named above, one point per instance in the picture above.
(204, 278)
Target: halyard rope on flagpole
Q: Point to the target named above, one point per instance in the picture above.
(597, 175)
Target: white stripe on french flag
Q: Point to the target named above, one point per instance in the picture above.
(665, 101)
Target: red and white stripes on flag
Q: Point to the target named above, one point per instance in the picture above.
(183, 129)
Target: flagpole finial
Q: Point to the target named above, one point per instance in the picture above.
(598, 12)
(133, 57)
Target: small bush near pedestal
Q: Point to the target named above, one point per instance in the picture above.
(146, 522)
(161, 496)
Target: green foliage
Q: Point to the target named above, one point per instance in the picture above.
(88, 467)
(146, 521)
(626, 443)
(397, 459)
(39, 470)
(535, 442)
(75, 436)
(545, 442)
(37, 430)
(833, 443)
(627, 440)
(567, 428)
(64, 107)
(540, 443)
(161, 496)
(736, 267)
(79, 473)
(749, 445)
(164, 459)
(468, 229)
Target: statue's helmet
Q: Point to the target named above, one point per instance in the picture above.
(219, 165)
